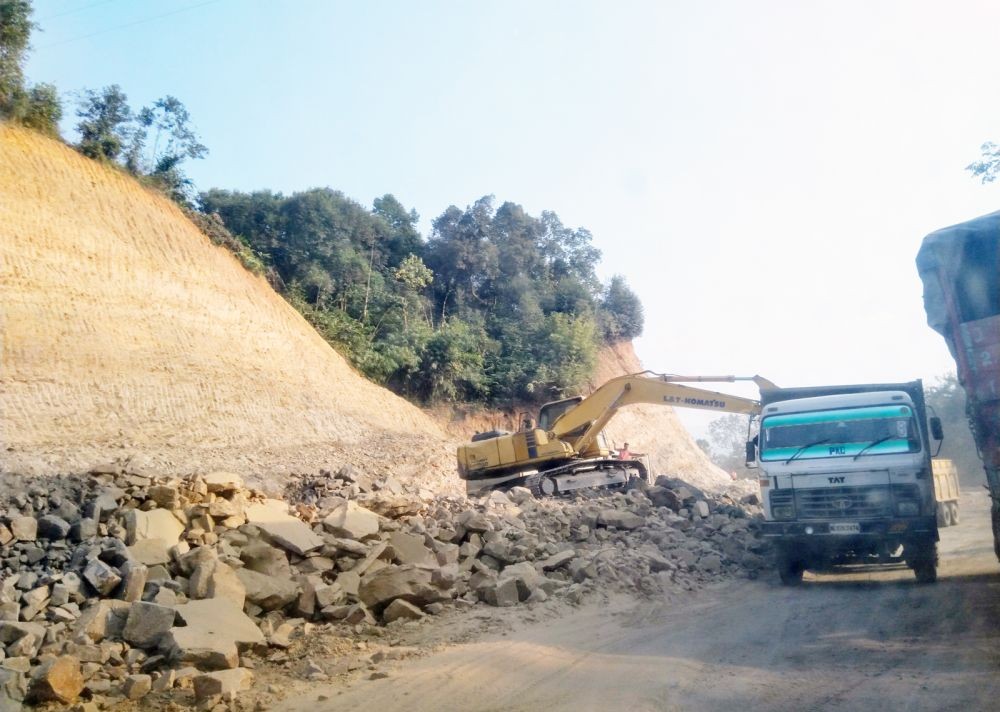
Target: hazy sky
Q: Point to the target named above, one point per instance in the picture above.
(761, 172)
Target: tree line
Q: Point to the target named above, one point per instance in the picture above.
(494, 305)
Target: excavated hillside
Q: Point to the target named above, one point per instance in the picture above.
(127, 334)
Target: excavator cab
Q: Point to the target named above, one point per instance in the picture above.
(549, 413)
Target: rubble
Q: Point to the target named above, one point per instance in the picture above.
(121, 585)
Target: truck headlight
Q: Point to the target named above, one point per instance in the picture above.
(785, 511)
(908, 509)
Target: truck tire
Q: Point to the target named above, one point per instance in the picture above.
(923, 559)
(948, 521)
(941, 510)
(954, 513)
(790, 568)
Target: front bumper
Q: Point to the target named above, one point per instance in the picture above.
(903, 528)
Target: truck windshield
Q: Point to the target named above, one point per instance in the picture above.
(875, 430)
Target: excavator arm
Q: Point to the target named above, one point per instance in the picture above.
(580, 425)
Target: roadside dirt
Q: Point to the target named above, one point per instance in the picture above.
(867, 640)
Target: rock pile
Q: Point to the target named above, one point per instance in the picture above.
(118, 586)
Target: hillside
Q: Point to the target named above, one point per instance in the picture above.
(125, 332)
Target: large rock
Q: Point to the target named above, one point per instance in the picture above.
(57, 680)
(151, 552)
(281, 528)
(351, 521)
(154, 524)
(24, 528)
(619, 519)
(407, 582)
(105, 619)
(226, 684)
(268, 592)
(410, 549)
(214, 631)
(147, 623)
(401, 610)
(52, 527)
(220, 482)
(266, 560)
(102, 577)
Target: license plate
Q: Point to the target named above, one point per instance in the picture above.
(845, 528)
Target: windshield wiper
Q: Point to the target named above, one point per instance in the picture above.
(806, 447)
(871, 445)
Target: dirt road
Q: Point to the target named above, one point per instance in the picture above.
(873, 640)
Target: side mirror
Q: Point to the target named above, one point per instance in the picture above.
(937, 432)
(751, 454)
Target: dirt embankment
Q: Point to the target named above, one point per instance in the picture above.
(126, 332)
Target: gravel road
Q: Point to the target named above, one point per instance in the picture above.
(864, 641)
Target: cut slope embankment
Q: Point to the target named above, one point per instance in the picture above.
(125, 332)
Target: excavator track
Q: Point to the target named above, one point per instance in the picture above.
(562, 480)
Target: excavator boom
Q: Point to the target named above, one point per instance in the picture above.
(568, 450)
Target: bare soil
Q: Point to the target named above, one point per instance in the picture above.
(871, 639)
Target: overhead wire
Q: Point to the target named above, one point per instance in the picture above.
(130, 24)
(76, 10)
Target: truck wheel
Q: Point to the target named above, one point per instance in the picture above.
(954, 513)
(948, 521)
(941, 514)
(923, 559)
(790, 568)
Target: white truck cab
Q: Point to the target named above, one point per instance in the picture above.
(845, 475)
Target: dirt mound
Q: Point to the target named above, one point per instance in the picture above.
(125, 331)
(655, 430)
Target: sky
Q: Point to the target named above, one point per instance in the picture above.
(761, 172)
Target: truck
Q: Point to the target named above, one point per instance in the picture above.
(845, 477)
(960, 270)
(567, 449)
(946, 491)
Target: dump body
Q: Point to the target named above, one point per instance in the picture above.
(946, 491)
(846, 477)
(960, 271)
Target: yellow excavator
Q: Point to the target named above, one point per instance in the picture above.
(567, 449)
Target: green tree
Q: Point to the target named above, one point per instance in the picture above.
(623, 316)
(987, 168)
(15, 35)
(105, 123)
(726, 444)
(41, 109)
(946, 399)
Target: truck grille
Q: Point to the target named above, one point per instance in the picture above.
(869, 502)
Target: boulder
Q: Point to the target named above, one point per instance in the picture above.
(57, 680)
(410, 549)
(265, 559)
(226, 684)
(503, 592)
(24, 528)
(281, 528)
(407, 582)
(137, 686)
(102, 577)
(213, 632)
(154, 524)
(352, 521)
(619, 519)
(147, 623)
(401, 610)
(151, 552)
(219, 482)
(268, 592)
(558, 560)
(52, 527)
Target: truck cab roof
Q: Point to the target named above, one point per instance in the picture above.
(832, 402)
